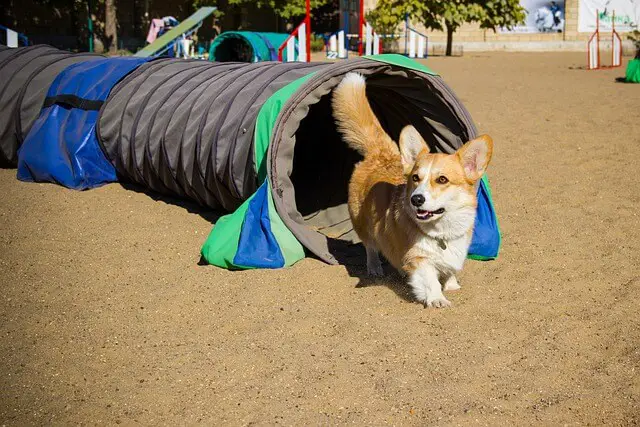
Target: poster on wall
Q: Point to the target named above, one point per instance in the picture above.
(627, 15)
(543, 16)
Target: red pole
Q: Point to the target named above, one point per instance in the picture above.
(308, 19)
(360, 38)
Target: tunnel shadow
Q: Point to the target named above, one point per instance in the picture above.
(190, 206)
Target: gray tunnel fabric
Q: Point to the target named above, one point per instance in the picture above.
(186, 128)
(25, 76)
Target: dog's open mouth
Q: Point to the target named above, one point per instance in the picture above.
(422, 214)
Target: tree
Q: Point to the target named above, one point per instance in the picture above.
(447, 15)
(286, 9)
(111, 25)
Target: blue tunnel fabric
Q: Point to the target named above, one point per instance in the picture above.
(485, 242)
(62, 146)
(258, 247)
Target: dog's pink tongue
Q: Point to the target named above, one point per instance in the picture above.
(423, 214)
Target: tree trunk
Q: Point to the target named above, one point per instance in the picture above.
(111, 26)
(450, 30)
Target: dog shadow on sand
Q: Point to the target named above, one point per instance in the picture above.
(354, 258)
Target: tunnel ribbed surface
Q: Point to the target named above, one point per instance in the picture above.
(186, 128)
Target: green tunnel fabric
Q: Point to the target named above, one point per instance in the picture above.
(633, 71)
(401, 61)
(255, 46)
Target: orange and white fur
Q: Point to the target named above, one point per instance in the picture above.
(417, 208)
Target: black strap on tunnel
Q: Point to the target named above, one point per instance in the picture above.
(73, 102)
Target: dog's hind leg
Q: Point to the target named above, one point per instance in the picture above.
(374, 266)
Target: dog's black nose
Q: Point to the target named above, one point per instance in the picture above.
(417, 200)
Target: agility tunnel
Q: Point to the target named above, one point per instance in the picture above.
(246, 46)
(255, 140)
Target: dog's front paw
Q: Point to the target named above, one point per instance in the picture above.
(438, 302)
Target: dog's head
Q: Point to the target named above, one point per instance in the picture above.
(442, 185)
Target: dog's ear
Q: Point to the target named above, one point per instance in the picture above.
(411, 144)
(475, 156)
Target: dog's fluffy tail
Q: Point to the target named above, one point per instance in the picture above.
(355, 118)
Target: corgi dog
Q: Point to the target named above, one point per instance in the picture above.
(417, 208)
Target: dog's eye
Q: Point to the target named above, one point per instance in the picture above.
(415, 178)
(442, 179)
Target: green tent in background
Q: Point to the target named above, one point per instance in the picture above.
(633, 71)
(246, 46)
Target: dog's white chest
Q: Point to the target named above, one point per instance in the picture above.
(445, 255)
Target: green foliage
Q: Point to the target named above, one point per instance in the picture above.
(387, 16)
(446, 14)
(286, 9)
(283, 8)
(501, 13)
(317, 43)
(435, 13)
(635, 38)
(197, 4)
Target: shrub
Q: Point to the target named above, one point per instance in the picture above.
(635, 38)
(317, 43)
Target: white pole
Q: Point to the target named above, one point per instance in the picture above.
(186, 47)
(333, 43)
(302, 43)
(368, 39)
(291, 50)
(376, 44)
(420, 46)
(593, 54)
(412, 44)
(341, 50)
(12, 38)
(616, 51)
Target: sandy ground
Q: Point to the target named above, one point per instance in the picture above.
(106, 318)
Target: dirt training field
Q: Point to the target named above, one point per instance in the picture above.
(105, 316)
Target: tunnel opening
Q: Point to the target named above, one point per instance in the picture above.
(322, 162)
(233, 49)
